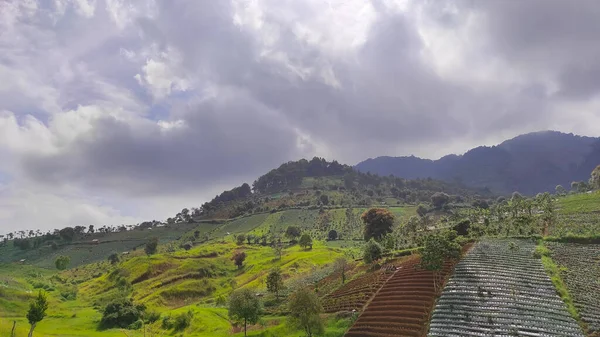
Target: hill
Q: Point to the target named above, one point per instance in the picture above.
(321, 184)
(529, 163)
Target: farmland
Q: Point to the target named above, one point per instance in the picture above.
(355, 294)
(580, 269)
(499, 288)
(403, 305)
(578, 214)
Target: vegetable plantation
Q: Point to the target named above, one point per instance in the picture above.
(354, 294)
(580, 269)
(403, 305)
(500, 289)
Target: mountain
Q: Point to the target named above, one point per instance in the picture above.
(529, 163)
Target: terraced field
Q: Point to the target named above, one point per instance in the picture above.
(500, 289)
(577, 214)
(355, 294)
(402, 306)
(581, 274)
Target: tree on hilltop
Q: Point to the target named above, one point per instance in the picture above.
(305, 241)
(378, 222)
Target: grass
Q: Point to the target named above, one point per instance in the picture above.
(579, 203)
(553, 271)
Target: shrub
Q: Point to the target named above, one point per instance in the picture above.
(152, 316)
(62, 262)
(113, 258)
(121, 314)
(182, 321)
(373, 251)
(151, 246)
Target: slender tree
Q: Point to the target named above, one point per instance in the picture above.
(340, 265)
(37, 311)
(275, 282)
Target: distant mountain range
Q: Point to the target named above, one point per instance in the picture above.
(529, 163)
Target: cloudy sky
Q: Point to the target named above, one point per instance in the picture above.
(116, 111)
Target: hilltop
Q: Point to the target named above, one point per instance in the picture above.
(529, 163)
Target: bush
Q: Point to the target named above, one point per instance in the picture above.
(151, 246)
(152, 316)
(373, 252)
(62, 262)
(178, 323)
(121, 314)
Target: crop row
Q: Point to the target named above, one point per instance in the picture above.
(354, 294)
(403, 305)
(581, 274)
(500, 289)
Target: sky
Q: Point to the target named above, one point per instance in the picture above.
(117, 111)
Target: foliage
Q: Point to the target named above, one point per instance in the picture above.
(151, 246)
(113, 258)
(439, 199)
(372, 252)
(239, 258)
(340, 265)
(304, 307)
(595, 179)
(292, 232)
(305, 241)
(378, 222)
(244, 307)
(332, 235)
(121, 313)
(421, 210)
(437, 248)
(37, 309)
(275, 282)
(240, 238)
(62, 262)
(178, 323)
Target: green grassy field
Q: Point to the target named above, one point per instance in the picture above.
(577, 214)
(169, 283)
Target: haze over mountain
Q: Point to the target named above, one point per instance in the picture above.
(530, 163)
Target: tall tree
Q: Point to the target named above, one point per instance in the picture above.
(244, 307)
(304, 310)
(340, 265)
(239, 258)
(378, 222)
(438, 248)
(560, 190)
(595, 179)
(275, 282)
(37, 311)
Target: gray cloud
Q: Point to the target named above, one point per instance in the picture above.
(171, 101)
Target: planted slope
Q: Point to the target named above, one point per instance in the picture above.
(582, 275)
(355, 294)
(500, 289)
(402, 306)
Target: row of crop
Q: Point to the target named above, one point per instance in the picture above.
(402, 306)
(354, 294)
(499, 288)
(581, 273)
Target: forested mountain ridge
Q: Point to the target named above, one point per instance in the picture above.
(529, 163)
(318, 183)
